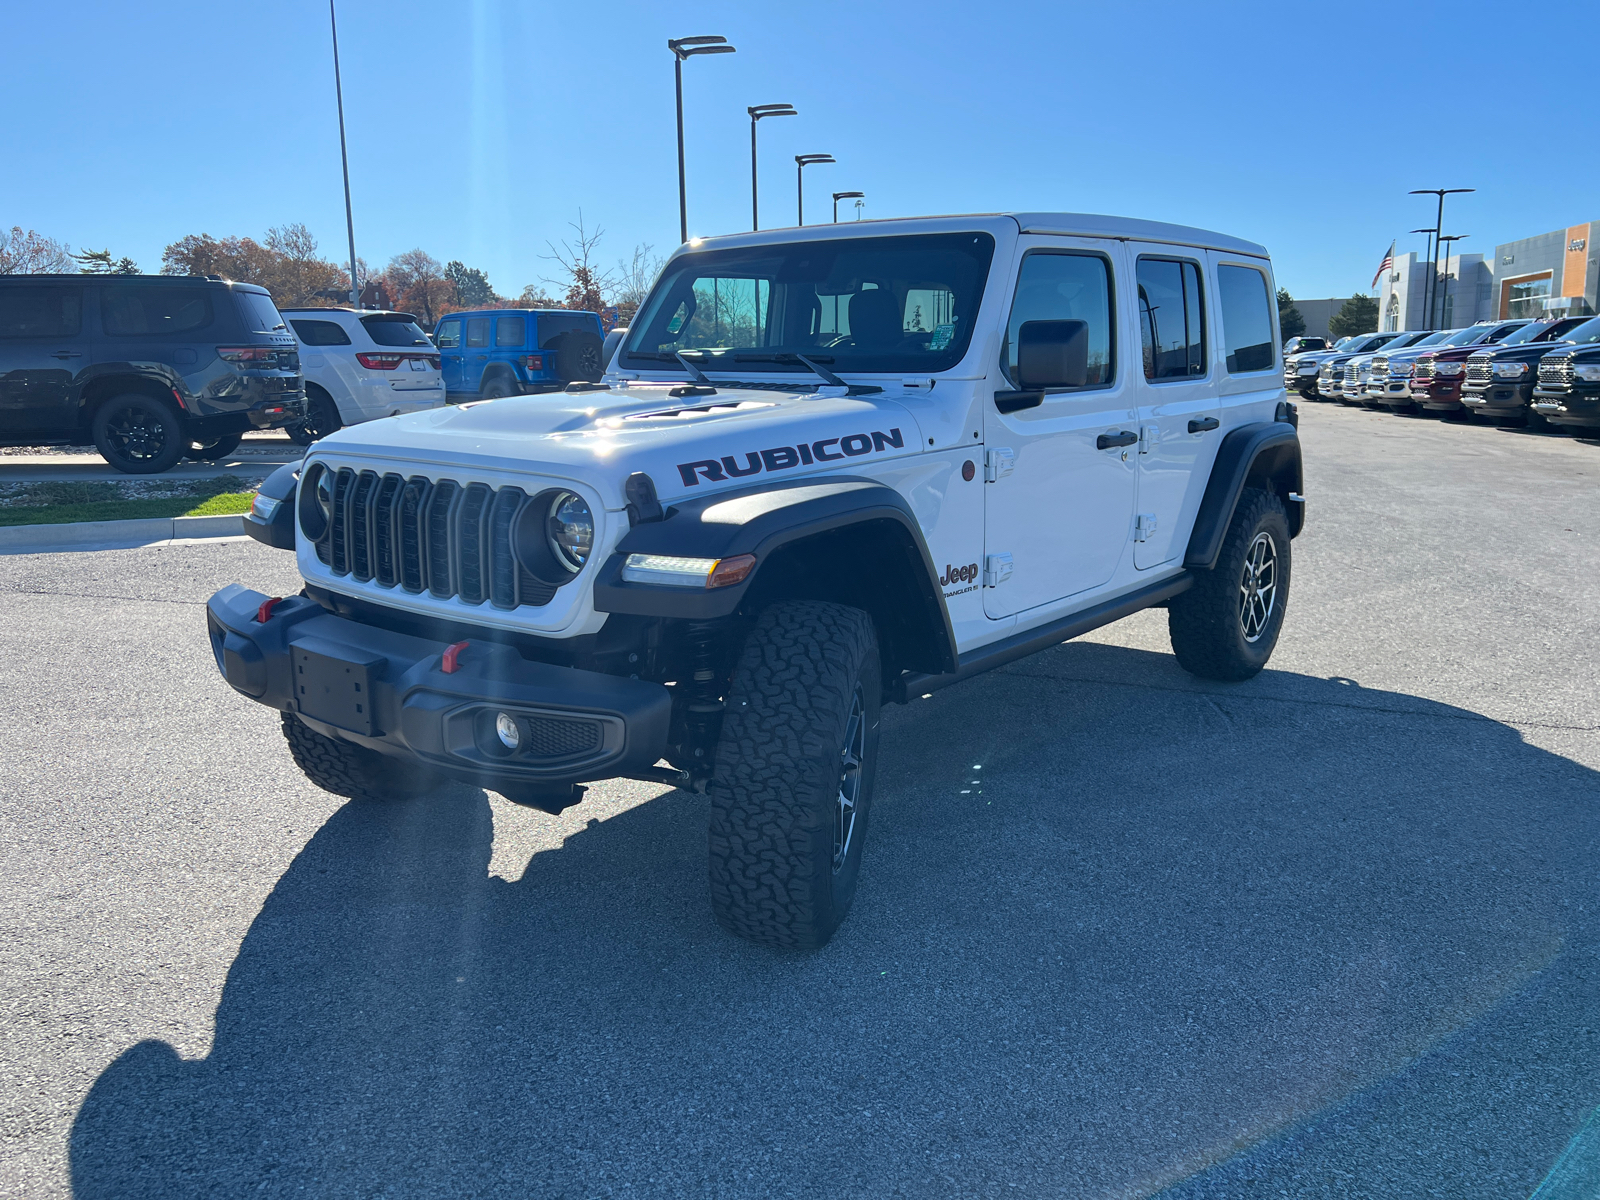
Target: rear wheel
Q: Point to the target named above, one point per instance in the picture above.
(579, 358)
(138, 434)
(792, 788)
(497, 387)
(349, 770)
(322, 418)
(214, 449)
(1226, 625)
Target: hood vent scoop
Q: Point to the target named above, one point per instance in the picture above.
(695, 410)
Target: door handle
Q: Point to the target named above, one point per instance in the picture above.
(1204, 425)
(1109, 441)
(67, 354)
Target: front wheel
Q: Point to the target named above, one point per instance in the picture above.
(349, 770)
(138, 434)
(1226, 625)
(792, 786)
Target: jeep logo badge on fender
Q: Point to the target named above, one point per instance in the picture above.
(964, 574)
(781, 458)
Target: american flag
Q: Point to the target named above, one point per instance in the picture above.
(1388, 261)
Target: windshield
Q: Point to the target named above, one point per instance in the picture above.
(1589, 331)
(398, 330)
(1408, 339)
(855, 304)
(1465, 337)
(1433, 339)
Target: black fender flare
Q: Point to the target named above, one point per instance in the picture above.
(279, 533)
(763, 521)
(1260, 450)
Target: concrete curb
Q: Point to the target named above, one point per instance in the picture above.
(115, 535)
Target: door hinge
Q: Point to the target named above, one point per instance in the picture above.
(996, 569)
(1149, 435)
(997, 464)
(1144, 527)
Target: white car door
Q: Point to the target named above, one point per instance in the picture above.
(1058, 506)
(1179, 419)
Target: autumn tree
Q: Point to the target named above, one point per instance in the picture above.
(295, 274)
(581, 278)
(31, 253)
(416, 284)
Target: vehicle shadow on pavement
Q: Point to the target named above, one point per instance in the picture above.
(1119, 930)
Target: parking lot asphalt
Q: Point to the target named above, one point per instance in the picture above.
(1120, 932)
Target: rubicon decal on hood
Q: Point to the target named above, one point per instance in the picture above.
(781, 458)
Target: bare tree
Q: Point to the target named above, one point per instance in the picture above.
(296, 275)
(32, 253)
(633, 280)
(585, 283)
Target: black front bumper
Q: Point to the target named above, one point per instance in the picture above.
(1579, 406)
(389, 692)
(1499, 399)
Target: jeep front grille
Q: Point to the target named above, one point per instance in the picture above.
(1556, 372)
(1480, 369)
(433, 536)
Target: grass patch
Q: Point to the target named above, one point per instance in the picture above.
(132, 500)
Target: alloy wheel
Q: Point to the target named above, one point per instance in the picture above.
(1258, 587)
(137, 435)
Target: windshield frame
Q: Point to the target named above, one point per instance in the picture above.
(634, 356)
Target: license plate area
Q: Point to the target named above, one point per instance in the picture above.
(333, 684)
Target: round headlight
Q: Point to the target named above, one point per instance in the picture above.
(571, 530)
(316, 501)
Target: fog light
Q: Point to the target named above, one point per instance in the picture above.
(508, 731)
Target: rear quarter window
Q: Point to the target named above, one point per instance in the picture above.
(1246, 319)
(40, 312)
(260, 314)
(320, 333)
(156, 311)
(553, 325)
(511, 331)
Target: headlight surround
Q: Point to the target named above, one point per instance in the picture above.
(315, 501)
(1306, 368)
(1400, 368)
(1588, 372)
(570, 528)
(1510, 370)
(1449, 368)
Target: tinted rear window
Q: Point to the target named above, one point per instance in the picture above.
(553, 325)
(320, 333)
(260, 313)
(40, 312)
(153, 311)
(387, 331)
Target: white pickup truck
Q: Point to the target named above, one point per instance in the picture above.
(828, 469)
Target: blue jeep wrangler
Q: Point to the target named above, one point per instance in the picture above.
(513, 351)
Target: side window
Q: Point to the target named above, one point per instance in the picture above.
(320, 333)
(448, 335)
(511, 331)
(477, 331)
(138, 311)
(1171, 318)
(40, 312)
(1060, 286)
(1246, 319)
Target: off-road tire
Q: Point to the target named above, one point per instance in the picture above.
(1205, 623)
(213, 450)
(777, 782)
(138, 434)
(497, 387)
(580, 358)
(349, 770)
(322, 418)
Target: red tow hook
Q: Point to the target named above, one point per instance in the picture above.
(265, 611)
(452, 658)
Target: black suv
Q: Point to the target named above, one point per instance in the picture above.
(149, 368)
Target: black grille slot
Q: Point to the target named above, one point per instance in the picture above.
(339, 534)
(383, 530)
(446, 494)
(551, 737)
(508, 502)
(360, 534)
(472, 530)
(413, 505)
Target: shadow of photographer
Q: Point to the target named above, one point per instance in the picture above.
(1101, 943)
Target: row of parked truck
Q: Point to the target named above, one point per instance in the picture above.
(1543, 373)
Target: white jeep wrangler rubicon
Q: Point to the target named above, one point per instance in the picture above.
(829, 468)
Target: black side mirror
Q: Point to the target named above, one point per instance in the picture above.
(1052, 354)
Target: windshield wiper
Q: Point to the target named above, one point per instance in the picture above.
(814, 365)
(695, 373)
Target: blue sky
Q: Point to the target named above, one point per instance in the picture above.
(479, 128)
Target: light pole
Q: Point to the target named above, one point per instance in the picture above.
(801, 162)
(1437, 224)
(756, 113)
(1444, 241)
(1427, 320)
(344, 160)
(838, 196)
(683, 48)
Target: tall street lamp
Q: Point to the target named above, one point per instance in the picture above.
(344, 160)
(1437, 224)
(683, 48)
(1444, 308)
(838, 196)
(1431, 234)
(801, 162)
(756, 113)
